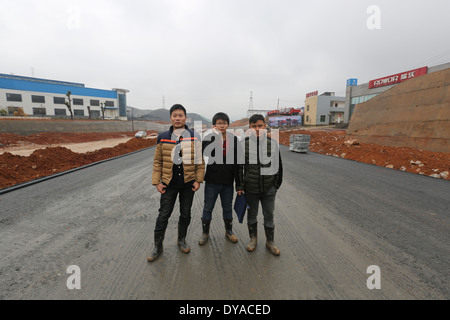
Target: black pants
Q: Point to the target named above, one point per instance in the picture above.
(167, 204)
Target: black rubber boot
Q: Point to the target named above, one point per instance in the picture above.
(269, 241)
(205, 235)
(229, 231)
(253, 232)
(182, 245)
(159, 238)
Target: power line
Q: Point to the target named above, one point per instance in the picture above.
(445, 55)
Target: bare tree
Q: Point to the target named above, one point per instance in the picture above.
(69, 104)
(102, 107)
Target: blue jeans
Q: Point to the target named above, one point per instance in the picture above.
(212, 191)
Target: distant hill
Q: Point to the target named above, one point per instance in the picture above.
(136, 112)
(163, 115)
(240, 123)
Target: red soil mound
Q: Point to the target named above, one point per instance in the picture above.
(336, 143)
(16, 169)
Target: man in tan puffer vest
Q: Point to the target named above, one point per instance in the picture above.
(178, 169)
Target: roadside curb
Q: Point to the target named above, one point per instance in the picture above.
(35, 181)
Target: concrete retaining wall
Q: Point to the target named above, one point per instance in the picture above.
(414, 113)
(26, 127)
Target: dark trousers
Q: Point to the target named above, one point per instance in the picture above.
(268, 206)
(167, 203)
(212, 191)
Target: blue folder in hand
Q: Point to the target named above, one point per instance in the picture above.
(240, 206)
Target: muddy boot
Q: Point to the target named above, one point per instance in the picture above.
(253, 232)
(182, 231)
(269, 241)
(229, 231)
(159, 238)
(205, 235)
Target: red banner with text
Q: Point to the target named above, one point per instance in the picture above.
(397, 78)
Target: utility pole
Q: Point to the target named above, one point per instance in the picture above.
(250, 105)
(132, 119)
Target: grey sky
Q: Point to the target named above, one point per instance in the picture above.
(209, 54)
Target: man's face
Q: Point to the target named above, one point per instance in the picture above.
(178, 119)
(221, 125)
(257, 126)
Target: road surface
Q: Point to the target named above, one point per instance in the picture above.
(334, 219)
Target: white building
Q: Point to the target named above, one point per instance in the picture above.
(323, 109)
(46, 98)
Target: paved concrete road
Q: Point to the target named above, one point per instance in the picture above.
(334, 219)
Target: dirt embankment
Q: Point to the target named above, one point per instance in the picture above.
(336, 143)
(15, 169)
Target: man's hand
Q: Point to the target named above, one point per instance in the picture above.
(216, 131)
(161, 188)
(195, 186)
(239, 193)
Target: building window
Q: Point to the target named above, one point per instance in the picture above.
(307, 118)
(78, 112)
(59, 100)
(60, 112)
(95, 103)
(336, 105)
(109, 103)
(361, 99)
(95, 114)
(78, 102)
(322, 118)
(11, 110)
(307, 107)
(38, 99)
(39, 111)
(14, 97)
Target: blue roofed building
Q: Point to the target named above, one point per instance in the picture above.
(46, 98)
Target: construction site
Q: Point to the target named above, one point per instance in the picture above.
(372, 194)
(406, 128)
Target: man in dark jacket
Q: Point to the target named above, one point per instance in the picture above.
(262, 175)
(222, 149)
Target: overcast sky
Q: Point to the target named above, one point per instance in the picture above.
(210, 54)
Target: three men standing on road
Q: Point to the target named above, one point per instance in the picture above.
(179, 168)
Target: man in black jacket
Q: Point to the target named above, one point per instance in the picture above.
(222, 150)
(262, 175)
